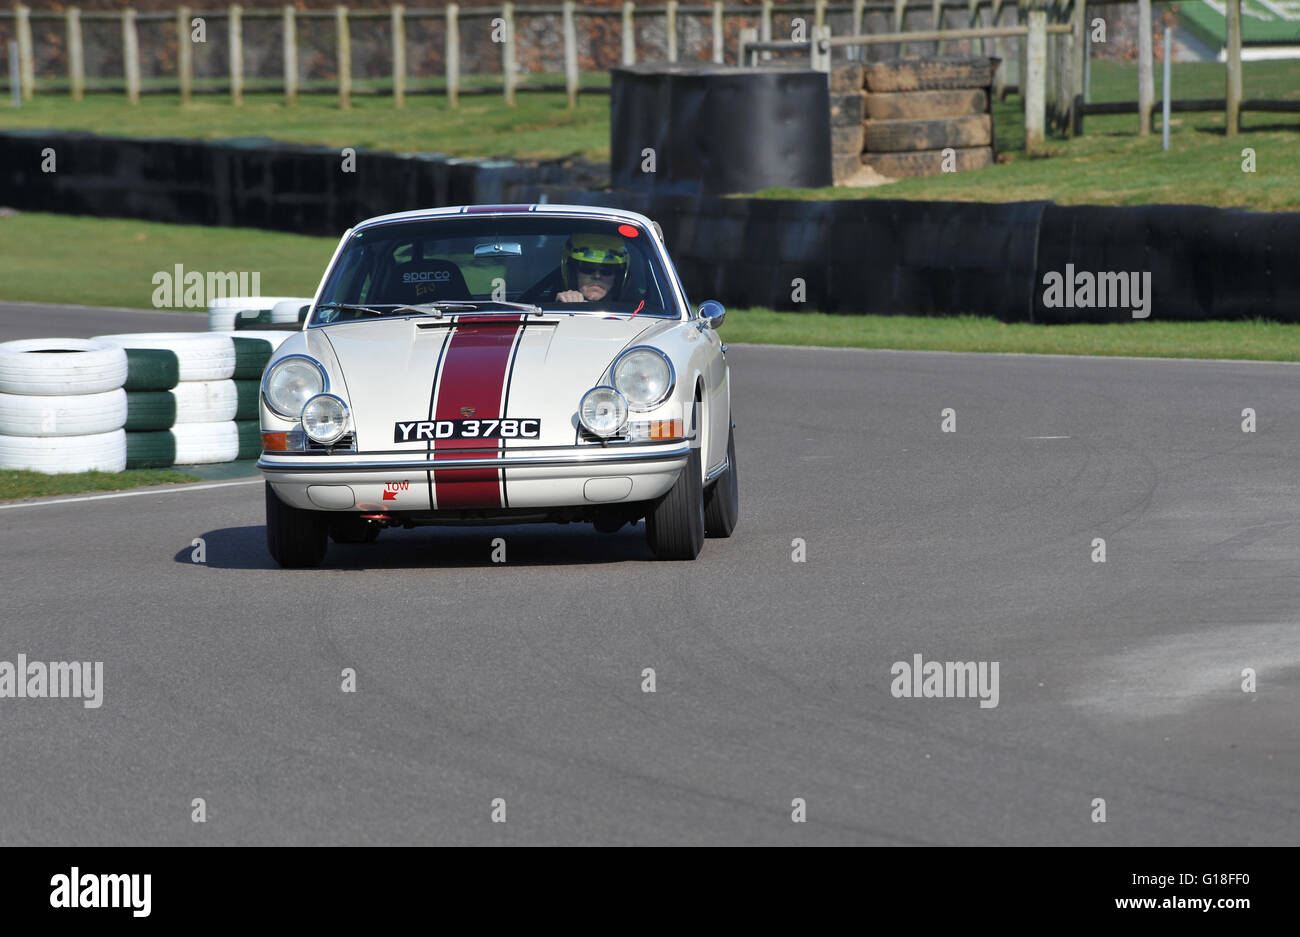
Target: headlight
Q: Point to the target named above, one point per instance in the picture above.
(603, 411)
(644, 375)
(291, 382)
(325, 418)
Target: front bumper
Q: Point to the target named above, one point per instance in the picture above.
(534, 477)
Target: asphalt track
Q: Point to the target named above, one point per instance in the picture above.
(523, 680)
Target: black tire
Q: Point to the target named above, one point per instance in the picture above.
(674, 528)
(353, 530)
(722, 498)
(296, 538)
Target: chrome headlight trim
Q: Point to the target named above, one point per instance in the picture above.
(619, 399)
(266, 379)
(668, 390)
(345, 422)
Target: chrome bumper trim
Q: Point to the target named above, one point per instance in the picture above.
(717, 472)
(425, 465)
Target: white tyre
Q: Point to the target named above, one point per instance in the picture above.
(63, 455)
(60, 367)
(288, 310)
(202, 356)
(201, 443)
(268, 335)
(205, 401)
(223, 312)
(78, 415)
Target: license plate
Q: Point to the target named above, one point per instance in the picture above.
(429, 430)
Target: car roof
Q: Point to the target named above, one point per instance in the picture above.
(614, 214)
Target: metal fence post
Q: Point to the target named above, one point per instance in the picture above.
(717, 32)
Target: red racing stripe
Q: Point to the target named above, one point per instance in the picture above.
(474, 376)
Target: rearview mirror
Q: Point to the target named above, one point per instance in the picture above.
(498, 249)
(712, 312)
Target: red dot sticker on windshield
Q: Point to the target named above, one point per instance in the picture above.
(627, 231)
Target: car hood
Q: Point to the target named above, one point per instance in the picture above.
(485, 367)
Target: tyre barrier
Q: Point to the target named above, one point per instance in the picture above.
(62, 406)
(180, 398)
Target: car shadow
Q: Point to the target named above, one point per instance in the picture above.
(428, 547)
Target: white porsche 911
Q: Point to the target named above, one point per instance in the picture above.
(499, 365)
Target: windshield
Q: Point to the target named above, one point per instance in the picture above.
(561, 264)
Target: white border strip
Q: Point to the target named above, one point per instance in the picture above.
(131, 494)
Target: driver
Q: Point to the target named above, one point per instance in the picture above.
(593, 267)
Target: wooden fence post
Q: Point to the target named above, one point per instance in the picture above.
(1078, 63)
(76, 56)
(1233, 114)
(399, 55)
(1146, 75)
(744, 54)
(1000, 51)
(290, 44)
(343, 42)
(508, 51)
(184, 55)
(26, 62)
(452, 55)
(570, 54)
(717, 32)
(670, 28)
(1034, 80)
(130, 56)
(629, 33)
(236, 55)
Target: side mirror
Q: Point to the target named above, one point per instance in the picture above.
(713, 314)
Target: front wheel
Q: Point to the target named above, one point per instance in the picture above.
(296, 538)
(722, 499)
(674, 528)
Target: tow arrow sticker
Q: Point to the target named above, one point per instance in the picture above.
(392, 488)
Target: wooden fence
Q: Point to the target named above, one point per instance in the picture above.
(1051, 66)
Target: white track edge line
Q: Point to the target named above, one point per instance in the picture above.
(130, 494)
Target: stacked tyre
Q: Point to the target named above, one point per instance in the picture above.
(62, 406)
(192, 397)
(226, 314)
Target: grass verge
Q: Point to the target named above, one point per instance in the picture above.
(541, 126)
(15, 484)
(1256, 340)
(116, 259)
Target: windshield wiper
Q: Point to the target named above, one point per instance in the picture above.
(436, 309)
(439, 308)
